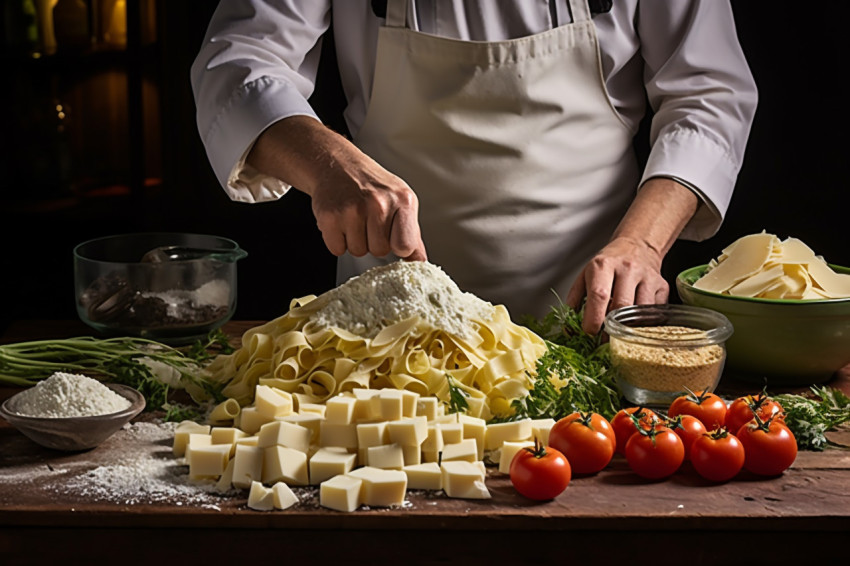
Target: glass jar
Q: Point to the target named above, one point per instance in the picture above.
(659, 352)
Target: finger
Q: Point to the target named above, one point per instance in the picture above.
(354, 226)
(418, 255)
(646, 294)
(405, 237)
(625, 289)
(378, 227)
(598, 299)
(332, 235)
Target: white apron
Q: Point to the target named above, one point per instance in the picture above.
(521, 164)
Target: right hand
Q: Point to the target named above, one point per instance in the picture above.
(361, 208)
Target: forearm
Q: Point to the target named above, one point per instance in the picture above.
(658, 214)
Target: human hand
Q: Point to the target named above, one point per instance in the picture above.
(360, 207)
(625, 272)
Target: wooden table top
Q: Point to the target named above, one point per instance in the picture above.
(613, 515)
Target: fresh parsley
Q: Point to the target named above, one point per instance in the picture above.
(811, 415)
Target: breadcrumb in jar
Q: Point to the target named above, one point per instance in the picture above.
(667, 368)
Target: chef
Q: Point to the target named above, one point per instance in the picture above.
(492, 138)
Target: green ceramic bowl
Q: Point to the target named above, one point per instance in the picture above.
(783, 341)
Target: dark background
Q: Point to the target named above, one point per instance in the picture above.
(155, 175)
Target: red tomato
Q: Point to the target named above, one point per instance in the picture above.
(689, 428)
(769, 446)
(624, 426)
(707, 407)
(717, 456)
(741, 410)
(540, 473)
(655, 453)
(586, 439)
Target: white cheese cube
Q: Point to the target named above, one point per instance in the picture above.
(312, 409)
(387, 457)
(341, 493)
(285, 464)
(209, 461)
(540, 430)
(412, 455)
(225, 482)
(340, 409)
(476, 428)
(196, 440)
(309, 421)
(247, 466)
(250, 420)
(452, 432)
(367, 406)
(424, 476)
(181, 435)
(226, 434)
(409, 401)
(466, 450)
(271, 402)
(344, 435)
(410, 431)
(372, 434)
(434, 440)
(329, 462)
(282, 496)
(427, 407)
(260, 498)
(464, 480)
(381, 488)
(508, 451)
(513, 431)
(280, 433)
(392, 404)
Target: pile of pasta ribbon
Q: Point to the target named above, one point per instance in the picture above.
(314, 363)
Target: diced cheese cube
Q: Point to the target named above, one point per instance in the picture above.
(312, 409)
(424, 476)
(367, 406)
(434, 440)
(271, 402)
(540, 430)
(282, 496)
(181, 435)
(512, 431)
(250, 420)
(392, 404)
(381, 488)
(452, 432)
(372, 434)
(466, 449)
(226, 434)
(309, 421)
(344, 435)
(209, 461)
(388, 457)
(464, 480)
(427, 407)
(508, 451)
(247, 466)
(285, 464)
(447, 419)
(412, 455)
(409, 400)
(196, 440)
(281, 433)
(476, 407)
(225, 482)
(330, 462)
(260, 498)
(476, 428)
(340, 409)
(409, 431)
(341, 493)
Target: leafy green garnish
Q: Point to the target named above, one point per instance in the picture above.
(457, 397)
(810, 416)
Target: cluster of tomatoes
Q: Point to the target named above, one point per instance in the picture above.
(717, 439)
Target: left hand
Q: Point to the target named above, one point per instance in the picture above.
(625, 272)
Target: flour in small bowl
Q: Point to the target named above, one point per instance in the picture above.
(387, 294)
(64, 395)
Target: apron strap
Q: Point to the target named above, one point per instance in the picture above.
(580, 10)
(397, 13)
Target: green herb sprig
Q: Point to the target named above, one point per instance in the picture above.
(811, 415)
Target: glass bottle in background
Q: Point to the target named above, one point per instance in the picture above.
(71, 24)
(113, 22)
(46, 35)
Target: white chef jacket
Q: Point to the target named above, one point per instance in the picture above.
(259, 60)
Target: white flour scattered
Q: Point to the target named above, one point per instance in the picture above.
(65, 395)
(391, 293)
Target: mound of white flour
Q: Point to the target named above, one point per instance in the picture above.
(65, 395)
(391, 293)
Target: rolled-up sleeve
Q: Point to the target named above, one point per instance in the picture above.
(257, 65)
(704, 99)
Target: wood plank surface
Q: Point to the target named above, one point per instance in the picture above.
(611, 515)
